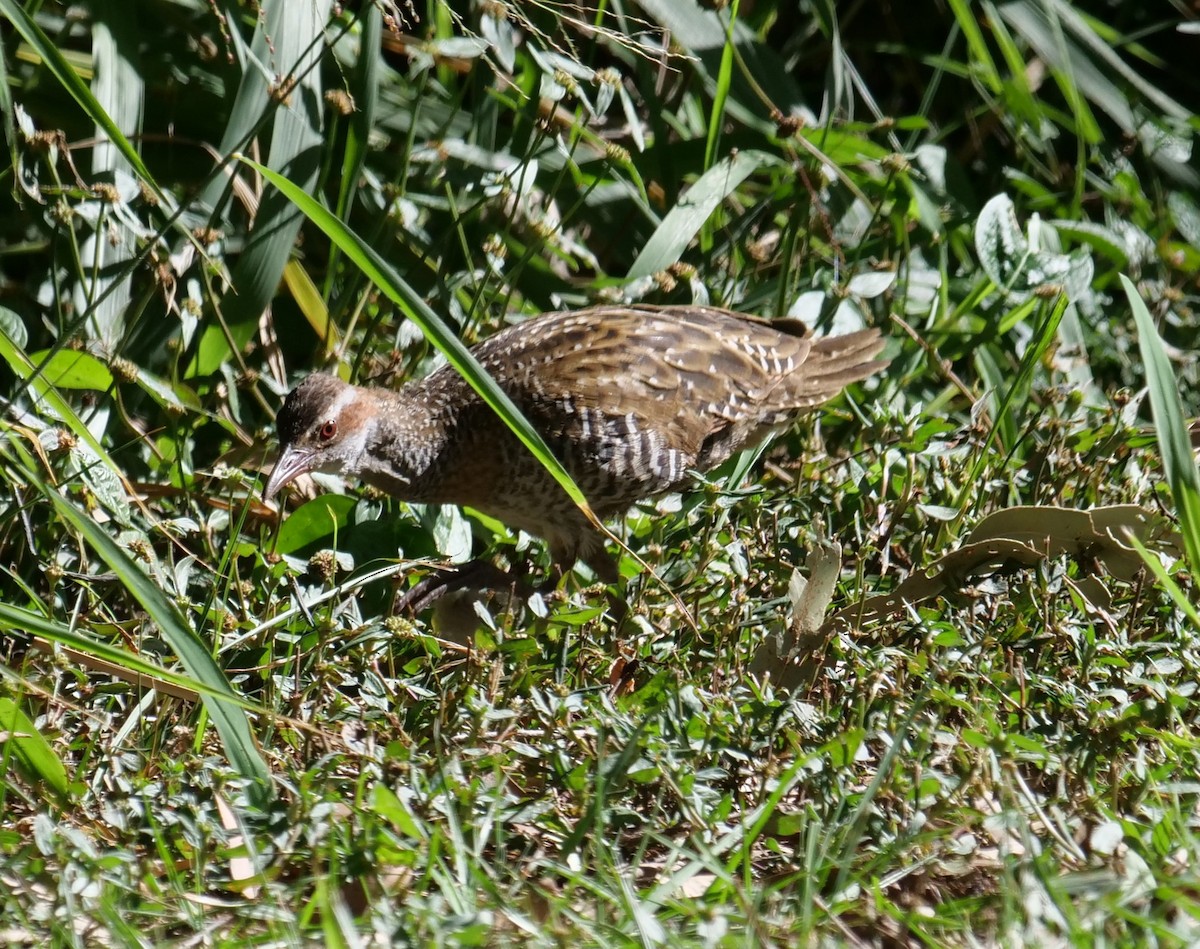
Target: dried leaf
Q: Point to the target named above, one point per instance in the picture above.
(1020, 537)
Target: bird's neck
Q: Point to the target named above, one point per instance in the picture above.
(404, 442)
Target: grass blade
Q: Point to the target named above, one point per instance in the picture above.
(25, 370)
(126, 665)
(58, 66)
(1154, 565)
(291, 35)
(717, 116)
(1170, 426)
(195, 655)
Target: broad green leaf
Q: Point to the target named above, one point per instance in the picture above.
(1103, 239)
(25, 370)
(1017, 266)
(452, 533)
(457, 47)
(684, 221)
(120, 92)
(1186, 216)
(313, 521)
(391, 808)
(871, 283)
(68, 369)
(31, 749)
(171, 396)
(13, 327)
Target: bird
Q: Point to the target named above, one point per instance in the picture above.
(630, 398)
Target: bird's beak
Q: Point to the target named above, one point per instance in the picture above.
(292, 463)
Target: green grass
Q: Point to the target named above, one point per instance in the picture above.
(984, 728)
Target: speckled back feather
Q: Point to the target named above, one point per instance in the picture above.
(632, 397)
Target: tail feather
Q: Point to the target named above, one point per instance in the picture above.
(834, 363)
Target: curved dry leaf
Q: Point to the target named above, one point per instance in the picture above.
(1021, 537)
(1094, 533)
(947, 574)
(810, 598)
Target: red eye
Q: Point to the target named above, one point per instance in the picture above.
(328, 430)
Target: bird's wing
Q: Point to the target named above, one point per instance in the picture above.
(687, 372)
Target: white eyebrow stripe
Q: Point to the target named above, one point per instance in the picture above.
(344, 398)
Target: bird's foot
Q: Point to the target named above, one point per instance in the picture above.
(473, 575)
(476, 575)
(617, 606)
(550, 583)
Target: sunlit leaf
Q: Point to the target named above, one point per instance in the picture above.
(68, 369)
(19, 733)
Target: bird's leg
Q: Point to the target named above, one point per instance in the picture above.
(473, 575)
(605, 568)
(618, 606)
(553, 578)
(485, 575)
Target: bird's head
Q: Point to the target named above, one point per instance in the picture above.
(323, 427)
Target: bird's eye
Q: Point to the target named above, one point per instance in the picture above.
(328, 430)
